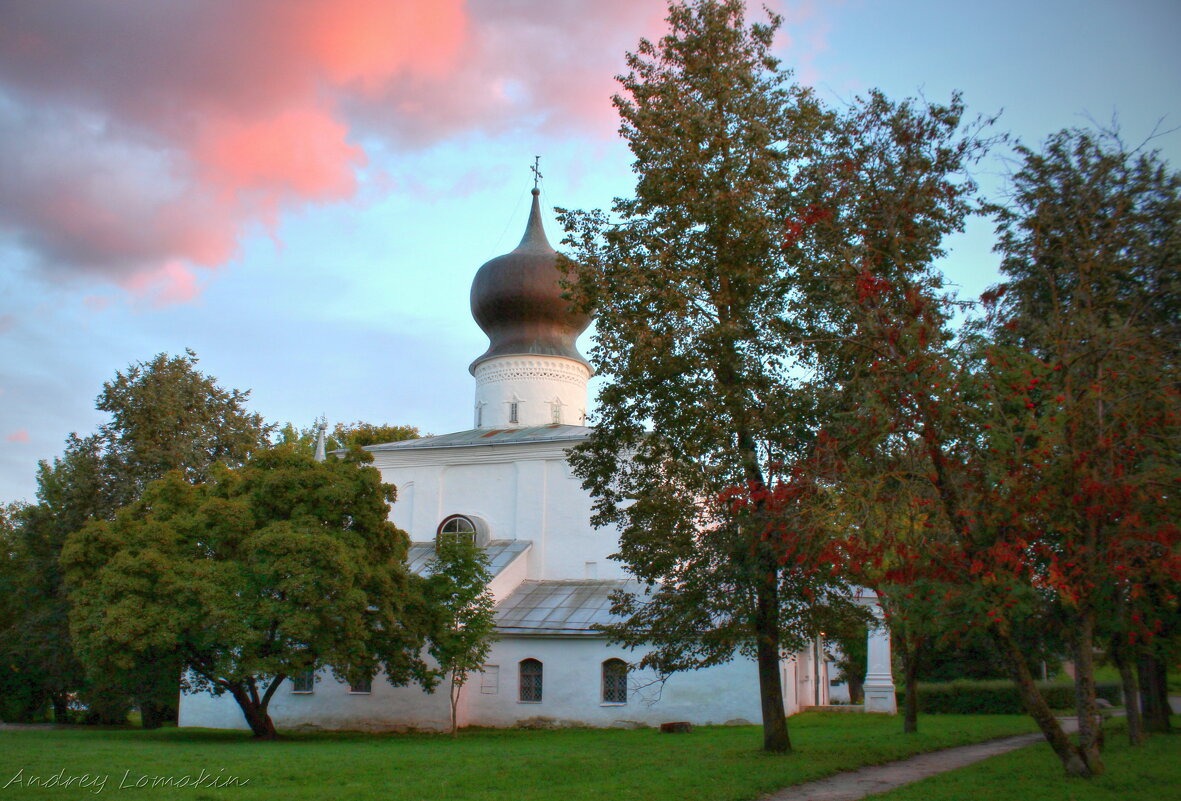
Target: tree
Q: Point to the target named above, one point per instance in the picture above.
(282, 565)
(166, 415)
(36, 641)
(345, 435)
(1087, 389)
(458, 590)
(1049, 433)
(700, 447)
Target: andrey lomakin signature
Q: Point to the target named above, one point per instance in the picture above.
(97, 782)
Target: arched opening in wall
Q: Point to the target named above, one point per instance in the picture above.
(463, 528)
(530, 685)
(614, 681)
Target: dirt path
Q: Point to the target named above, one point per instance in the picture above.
(858, 784)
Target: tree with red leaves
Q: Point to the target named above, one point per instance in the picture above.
(1086, 392)
(1050, 432)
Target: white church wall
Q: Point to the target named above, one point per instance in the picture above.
(330, 705)
(486, 490)
(544, 390)
(523, 492)
(571, 695)
(572, 688)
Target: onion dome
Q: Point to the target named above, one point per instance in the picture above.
(517, 301)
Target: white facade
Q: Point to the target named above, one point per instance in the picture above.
(515, 391)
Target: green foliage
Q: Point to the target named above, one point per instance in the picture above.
(282, 565)
(35, 645)
(166, 415)
(998, 697)
(344, 436)
(457, 588)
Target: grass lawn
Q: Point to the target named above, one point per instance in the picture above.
(568, 765)
(1149, 773)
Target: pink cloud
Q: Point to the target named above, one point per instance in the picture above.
(145, 138)
(20, 435)
(174, 282)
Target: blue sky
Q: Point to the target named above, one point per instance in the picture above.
(153, 202)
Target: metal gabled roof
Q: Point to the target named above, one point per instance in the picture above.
(500, 553)
(489, 436)
(559, 607)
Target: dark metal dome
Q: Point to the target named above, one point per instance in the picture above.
(517, 301)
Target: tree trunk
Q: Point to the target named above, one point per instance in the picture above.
(910, 672)
(775, 737)
(61, 708)
(456, 689)
(1090, 721)
(151, 716)
(1131, 692)
(255, 709)
(1072, 760)
(1154, 694)
(856, 689)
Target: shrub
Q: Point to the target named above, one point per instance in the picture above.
(998, 697)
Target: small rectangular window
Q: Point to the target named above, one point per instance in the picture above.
(512, 412)
(303, 682)
(557, 414)
(363, 685)
(490, 680)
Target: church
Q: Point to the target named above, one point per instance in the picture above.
(505, 482)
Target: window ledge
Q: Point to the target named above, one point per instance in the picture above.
(528, 702)
(302, 692)
(613, 703)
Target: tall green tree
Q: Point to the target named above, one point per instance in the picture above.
(460, 640)
(165, 415)
(282, 565)
(702, 421)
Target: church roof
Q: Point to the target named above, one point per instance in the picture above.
(517, 300)
(500, 554)
(559, 607)
(489, 436)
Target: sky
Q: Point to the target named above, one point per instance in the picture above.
(302, 190)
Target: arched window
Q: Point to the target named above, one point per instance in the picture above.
(457, 527)
(615, 681)
(463, 528)
(530, 681)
